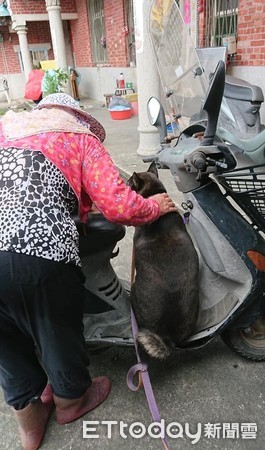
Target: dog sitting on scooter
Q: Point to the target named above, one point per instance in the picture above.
(165, 294)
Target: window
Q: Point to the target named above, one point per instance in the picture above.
(37, 56)
(130, 37)
(221, 23)
(98, 31)
(38, 52)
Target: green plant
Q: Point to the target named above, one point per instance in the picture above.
(54, 81)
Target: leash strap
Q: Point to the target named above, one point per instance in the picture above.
(142, 370)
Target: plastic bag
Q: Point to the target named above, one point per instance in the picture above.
(33, 86)
(119, 103)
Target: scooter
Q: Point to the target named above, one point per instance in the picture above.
(185, 72)
(224, 202)
(223, 193)
(223, 190)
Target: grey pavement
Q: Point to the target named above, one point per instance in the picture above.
(208, 385)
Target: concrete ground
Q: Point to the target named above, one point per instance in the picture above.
(211, 385)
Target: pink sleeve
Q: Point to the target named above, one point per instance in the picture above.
(117, 201)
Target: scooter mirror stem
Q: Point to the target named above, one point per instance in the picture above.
(213, 102)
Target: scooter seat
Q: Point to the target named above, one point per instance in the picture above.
(242, 90)
(97, 233)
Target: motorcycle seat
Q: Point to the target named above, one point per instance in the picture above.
(254, 147)
(242, 90)
(97, 233)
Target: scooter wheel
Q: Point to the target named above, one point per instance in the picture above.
(248, 342)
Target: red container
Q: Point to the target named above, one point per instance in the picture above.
(121, 84)
(135, 108)
(121, 115)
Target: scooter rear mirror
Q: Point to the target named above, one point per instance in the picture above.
(156, 116)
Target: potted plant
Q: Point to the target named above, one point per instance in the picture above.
(54, 81)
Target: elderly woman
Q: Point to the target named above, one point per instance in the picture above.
(52, 159)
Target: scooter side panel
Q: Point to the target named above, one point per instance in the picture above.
(229, 281)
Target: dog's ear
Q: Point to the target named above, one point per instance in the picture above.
(135, 182)
(153, 169)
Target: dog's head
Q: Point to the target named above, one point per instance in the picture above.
(146, 183)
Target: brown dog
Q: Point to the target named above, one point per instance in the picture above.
(165, 294)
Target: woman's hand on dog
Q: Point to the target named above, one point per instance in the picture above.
(165, 203)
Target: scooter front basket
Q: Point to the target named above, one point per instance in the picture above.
(247, 188)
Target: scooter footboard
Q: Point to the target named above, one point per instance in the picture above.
(107, 327)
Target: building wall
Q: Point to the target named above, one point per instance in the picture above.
(98, 79)
(9, 62)
(39, 7)
(251, 33)
(81, 36)
(249, 63)
(116, 39)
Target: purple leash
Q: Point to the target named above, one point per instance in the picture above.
(142, 370)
